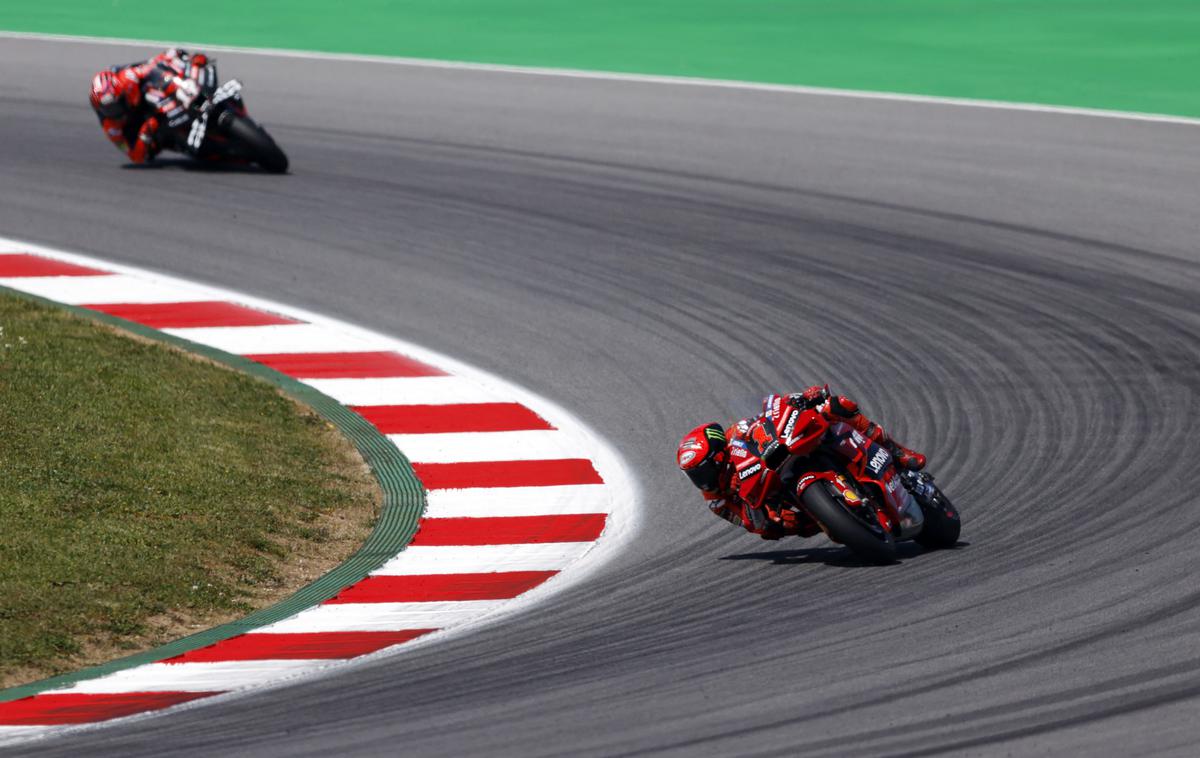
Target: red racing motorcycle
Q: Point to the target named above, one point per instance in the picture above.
(837, 480)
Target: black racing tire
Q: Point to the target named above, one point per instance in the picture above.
(870, 545)
(257, 144)
(942, 524)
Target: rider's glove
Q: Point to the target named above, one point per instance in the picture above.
(788, 520)
(185, 91)
(809, 398)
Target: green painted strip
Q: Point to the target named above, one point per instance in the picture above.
(403, 503)
(1135, 55)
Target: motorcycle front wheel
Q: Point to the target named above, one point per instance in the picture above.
(942, 524)
(256, 144)
(860, 531)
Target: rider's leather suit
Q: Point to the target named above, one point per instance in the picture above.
(153, 91)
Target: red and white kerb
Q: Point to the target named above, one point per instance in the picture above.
(516, 494)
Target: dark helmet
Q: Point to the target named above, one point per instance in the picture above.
(701, 456)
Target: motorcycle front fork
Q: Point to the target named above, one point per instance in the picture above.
(920, 485)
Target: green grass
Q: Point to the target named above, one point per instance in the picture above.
(139, 484)
(1138, 55)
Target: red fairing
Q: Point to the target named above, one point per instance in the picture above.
(871, 464)
(754, 481)
(773, 406)
(751, 479)
(801, 430)
(812, 478)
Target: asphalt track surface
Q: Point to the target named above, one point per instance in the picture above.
(1018, 294)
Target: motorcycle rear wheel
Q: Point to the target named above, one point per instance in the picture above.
(872, 545)
(259, 146)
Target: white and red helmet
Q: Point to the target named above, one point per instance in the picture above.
(111, 94)
(701, 455)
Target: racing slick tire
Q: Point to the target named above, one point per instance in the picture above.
(257, 144)
(942, 524)
(873, 545)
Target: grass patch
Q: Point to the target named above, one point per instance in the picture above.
(145, 493)
(1125, 54)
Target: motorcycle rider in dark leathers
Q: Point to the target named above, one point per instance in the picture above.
(131, 101)
(706, 455)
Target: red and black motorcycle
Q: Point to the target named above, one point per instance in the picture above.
(209, 122)
(836, 479)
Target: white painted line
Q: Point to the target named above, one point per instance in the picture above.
(194, 677)
(10, 734)
(478, 559)
(111, 288)
(570, 73)
(417, 390)
(372, 617)
(518, 501)
(277, 338)
(487, 446)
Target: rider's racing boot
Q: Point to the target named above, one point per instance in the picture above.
(847, 409)
(905, 458)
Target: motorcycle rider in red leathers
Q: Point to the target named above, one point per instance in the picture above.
(706, 454)
(128, 100)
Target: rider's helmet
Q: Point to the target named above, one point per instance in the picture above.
(108, 96)
(701, 456)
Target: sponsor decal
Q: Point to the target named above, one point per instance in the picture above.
(691, 445)
(805, 480)
(851, 497)
(231, 88)
(790, 426)
(749, 471)
(858, 438)
(686, 457)
(738, 451)
(878, 461)
(714, 434)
